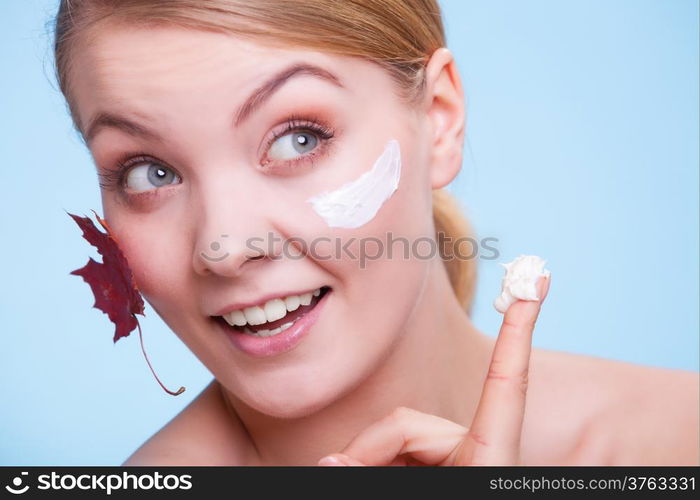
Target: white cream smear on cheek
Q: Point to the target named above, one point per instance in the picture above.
(357, 202)
(520, 280)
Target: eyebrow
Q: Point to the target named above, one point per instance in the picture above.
(258, 97)
(104, 119)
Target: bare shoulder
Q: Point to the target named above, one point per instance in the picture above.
(203, 433)
(597, 411)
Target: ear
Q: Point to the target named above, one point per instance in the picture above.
(444, 105)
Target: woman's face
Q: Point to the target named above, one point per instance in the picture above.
(224, 141)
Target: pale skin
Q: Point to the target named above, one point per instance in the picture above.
(394, 371)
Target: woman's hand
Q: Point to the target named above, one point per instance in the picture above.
(409, 437)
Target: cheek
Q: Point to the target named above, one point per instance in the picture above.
(157, 255)
(380, 266)
(396, 218)
(362, 224)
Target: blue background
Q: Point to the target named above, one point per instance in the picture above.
(582, 148)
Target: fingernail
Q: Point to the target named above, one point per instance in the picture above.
(330, 460)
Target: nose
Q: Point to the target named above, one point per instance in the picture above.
(229, 238)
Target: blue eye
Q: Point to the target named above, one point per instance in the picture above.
(147, 176)
(292, 145)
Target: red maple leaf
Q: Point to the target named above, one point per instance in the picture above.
(112, 284)
(111, 281)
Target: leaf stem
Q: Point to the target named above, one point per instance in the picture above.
(143, 349)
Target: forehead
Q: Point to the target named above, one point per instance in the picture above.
(141, 67)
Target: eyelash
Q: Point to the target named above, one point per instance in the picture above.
(115, 177)
(298, 123)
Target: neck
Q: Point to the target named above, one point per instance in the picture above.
(438, 367)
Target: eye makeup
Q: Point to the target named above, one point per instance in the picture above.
(114, 178)
(323, 133)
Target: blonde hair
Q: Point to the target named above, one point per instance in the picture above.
(398, 35)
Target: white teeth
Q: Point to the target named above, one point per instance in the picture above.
(292, 302)
(275, 309)
(305, 299)
(271, 311)
(235, 318)
(238, 318)
(254, 315)
(268, 333)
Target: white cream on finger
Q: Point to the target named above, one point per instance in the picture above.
(520, 281)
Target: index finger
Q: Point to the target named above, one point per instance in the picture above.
(497, 424)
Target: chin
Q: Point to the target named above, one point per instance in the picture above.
(320, 373)
(291, 404)
(290, 397)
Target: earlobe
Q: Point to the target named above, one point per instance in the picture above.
(444, 104)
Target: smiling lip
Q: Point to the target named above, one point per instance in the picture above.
(262, 347)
